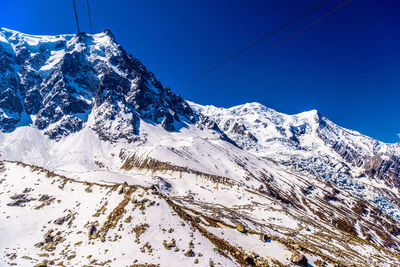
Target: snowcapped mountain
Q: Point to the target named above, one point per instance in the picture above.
(310, 143)
(112, 168)
(55, 82)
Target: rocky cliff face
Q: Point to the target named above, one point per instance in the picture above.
(55, 82)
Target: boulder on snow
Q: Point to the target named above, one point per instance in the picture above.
(298, 259)
(297, 247)
(169, 245)
(189, 253)
(50, 246)
(240, 227)
(48, 237)
(249, 260)
(266, 238)
(92, 232)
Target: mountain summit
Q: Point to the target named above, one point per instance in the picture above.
(56, 82)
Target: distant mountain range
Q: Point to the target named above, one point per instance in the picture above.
(103, 165)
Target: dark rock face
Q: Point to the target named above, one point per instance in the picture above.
(297, 131)
(252, 137)
(238, 128)
(61, 80)
(11, 106)
(68, 124)
(382, 167)
(205, 121)
(10, 103)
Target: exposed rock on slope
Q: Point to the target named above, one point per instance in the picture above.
(93, 228)
(124, 225)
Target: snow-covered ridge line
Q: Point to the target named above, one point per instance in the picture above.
(256, 106)
(310, 143)
(6, 31)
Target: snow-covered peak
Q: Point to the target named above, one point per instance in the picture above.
(312, 144)
(32, 40)
(55, 82)
(256, 110)
(254, 123)
(251, 115)
(106, 37)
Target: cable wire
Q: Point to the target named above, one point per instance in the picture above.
(76, 17)
(253, 44)
(278, 44)
(90, 19)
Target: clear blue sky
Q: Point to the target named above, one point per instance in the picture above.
(347, 66)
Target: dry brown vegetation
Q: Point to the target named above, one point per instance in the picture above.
(159, 166)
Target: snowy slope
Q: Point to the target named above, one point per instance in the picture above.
(80, 224)
(204, 215)
(220, 181)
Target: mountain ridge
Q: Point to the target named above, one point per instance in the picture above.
(81, 70)
(99, 139)
(312, 144)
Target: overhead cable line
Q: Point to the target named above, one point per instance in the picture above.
(76, 17)
(277, 44)
(90, 20)
(253, 44)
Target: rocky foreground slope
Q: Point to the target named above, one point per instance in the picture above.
(103, 165)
